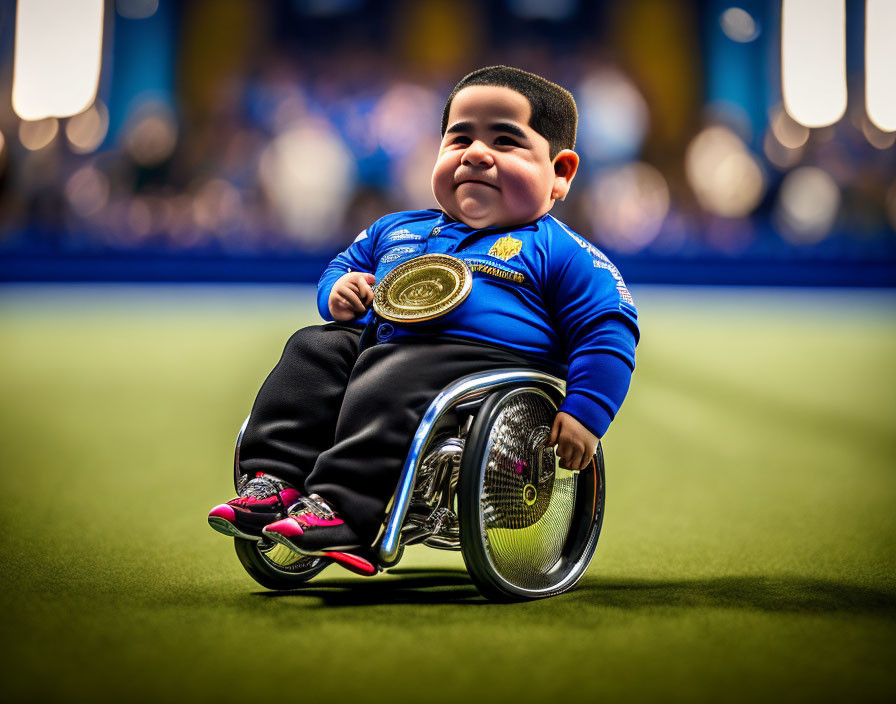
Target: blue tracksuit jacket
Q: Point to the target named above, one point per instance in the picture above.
(539, 290)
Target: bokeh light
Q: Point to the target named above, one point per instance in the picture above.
(628, 205)
(136, 9)
(38, 134)
(779, 155)
(308, 174)
(404, 115)
(140, 217)
(151, 134)
(613, 117)
(218, 206)
(415, 173)
(807, 205)
(880, 58)
(876, 137)
(739, 25)
(813, 60)
(788, 131)
(87, 190)
(87, 130)
(726, 178)
(177, 217)
(785, 139)
(58, 49)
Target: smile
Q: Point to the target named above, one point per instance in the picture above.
(473, 180)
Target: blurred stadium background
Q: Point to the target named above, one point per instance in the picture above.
(250, 141)
(749, 550)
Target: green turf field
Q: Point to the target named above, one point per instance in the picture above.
(748, 551)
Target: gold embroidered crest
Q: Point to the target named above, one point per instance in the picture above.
(505, 248)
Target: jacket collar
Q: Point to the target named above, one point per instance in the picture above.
(466, 231)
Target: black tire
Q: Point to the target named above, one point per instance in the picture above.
(272, 574)
(528, 528)
(285, 572)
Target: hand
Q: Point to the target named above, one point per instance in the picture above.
(351, 295)
(576, 444)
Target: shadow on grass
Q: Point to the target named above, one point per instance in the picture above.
(399, 586)
(784, 594)
(788, 594)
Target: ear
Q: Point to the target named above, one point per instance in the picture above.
(566, 163)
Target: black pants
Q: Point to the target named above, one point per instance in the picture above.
(337, 423)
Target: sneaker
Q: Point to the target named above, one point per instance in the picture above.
(313, 528)
(263, 500)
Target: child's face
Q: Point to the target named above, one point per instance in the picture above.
(493, 169)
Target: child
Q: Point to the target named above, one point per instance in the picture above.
(332, 424)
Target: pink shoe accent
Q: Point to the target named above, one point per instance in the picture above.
(223, 511)
(288, 528)
(353, 563)
(288, 496)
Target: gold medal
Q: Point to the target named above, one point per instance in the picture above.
(422, 288)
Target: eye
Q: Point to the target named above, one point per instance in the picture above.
(506, 141)
(461, 139)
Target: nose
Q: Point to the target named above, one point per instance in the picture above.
(478, 154)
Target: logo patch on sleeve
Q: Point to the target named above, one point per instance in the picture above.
(600, 261)
(396, 253)
(403, 235)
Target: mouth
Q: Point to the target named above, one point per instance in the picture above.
(477, 181)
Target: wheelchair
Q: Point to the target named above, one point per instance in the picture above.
(479, 478)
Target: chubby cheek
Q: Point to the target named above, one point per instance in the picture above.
(528, 188)
(442, 180)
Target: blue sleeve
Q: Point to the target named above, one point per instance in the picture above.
(360, 256)
(597, 320)
(598, 380)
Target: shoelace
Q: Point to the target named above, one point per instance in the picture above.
(312, 504)
(260, 488)
(263, 487)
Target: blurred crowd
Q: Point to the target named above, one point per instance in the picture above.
(288, 127)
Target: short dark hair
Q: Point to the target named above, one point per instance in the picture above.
(554, 113)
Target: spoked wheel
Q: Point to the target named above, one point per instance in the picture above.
(276, 566)
(528, 528)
